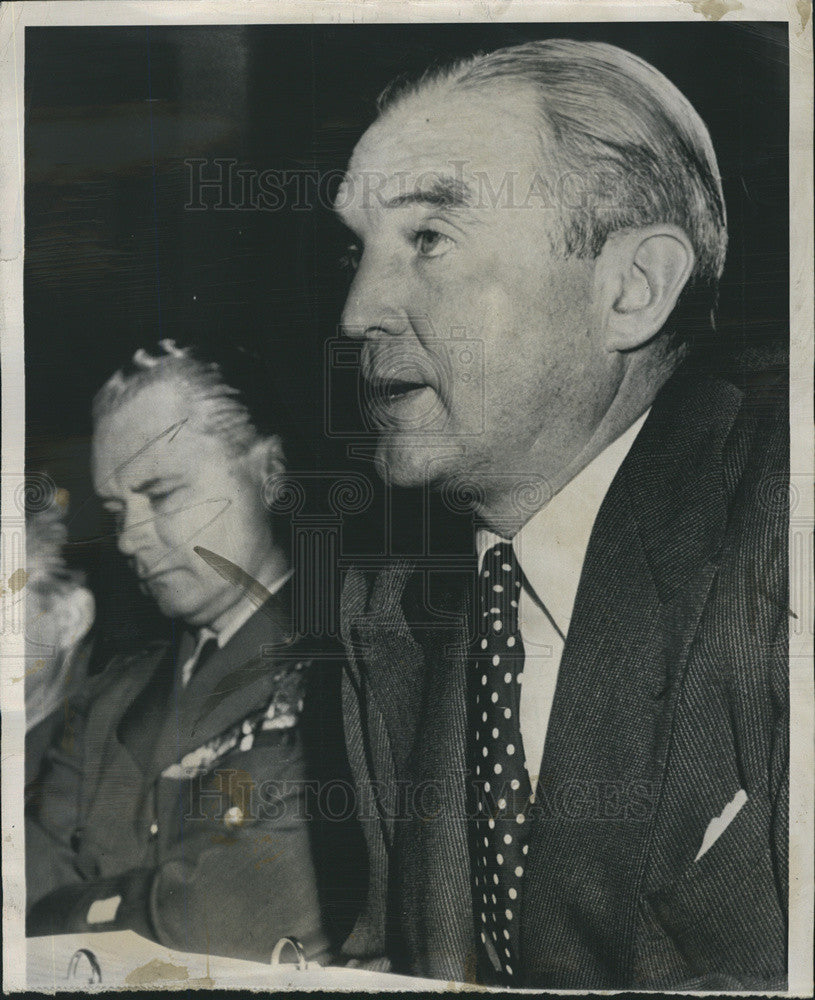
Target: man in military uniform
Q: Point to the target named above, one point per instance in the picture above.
(179, 809)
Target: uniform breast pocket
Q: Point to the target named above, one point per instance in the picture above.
(723, 915)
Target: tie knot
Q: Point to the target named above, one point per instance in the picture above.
(205, 646)
(500, 559)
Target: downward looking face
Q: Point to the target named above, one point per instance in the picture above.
(480, 351)
(172, 487)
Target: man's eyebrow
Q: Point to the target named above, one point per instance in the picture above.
(442, 192)
(162, 482)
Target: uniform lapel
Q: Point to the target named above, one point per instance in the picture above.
(648, 570)
(228, 685)
(143, 718)
(123, 682)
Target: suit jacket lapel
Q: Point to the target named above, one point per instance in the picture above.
(412, 647)
(391, 656)
(647, 573)
(436, 889)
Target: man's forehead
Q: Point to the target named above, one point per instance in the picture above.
(151, 428)
(149, 411)
(450, 138)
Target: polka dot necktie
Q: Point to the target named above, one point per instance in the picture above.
(499, 781)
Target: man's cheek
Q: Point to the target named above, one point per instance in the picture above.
(199, 521)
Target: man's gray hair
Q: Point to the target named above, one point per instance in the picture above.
(217, 405)
(611, 119)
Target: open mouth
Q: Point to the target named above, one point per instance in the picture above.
(392, 390)
(396, 389)
(402, 403)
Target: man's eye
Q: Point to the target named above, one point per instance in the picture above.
(349, 260)
(158, 499)
(431, 243)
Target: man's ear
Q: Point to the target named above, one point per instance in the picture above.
(639, 275)
(267, 457)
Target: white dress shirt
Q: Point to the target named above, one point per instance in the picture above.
(550, 549)
(241, 614)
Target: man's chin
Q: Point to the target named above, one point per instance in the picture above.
(171, 609)
(410, 461)
(171, 604)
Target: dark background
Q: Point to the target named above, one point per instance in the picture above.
(114, 259)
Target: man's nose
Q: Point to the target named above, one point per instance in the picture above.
(135, 530)
(377, 299)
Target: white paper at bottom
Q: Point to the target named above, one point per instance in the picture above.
(128, 961)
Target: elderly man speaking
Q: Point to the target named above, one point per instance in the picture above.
(605, 729)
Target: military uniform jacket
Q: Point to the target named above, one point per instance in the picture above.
(671, 701)
(189, 804)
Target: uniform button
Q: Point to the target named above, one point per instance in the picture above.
(154, 829)
(233, 816)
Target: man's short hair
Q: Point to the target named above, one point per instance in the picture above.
(220, 397)
(610, 119)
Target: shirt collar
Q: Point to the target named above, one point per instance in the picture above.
(551, 546)
(245, 608)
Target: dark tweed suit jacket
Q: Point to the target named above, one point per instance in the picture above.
(221, 861)
(672, 696)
